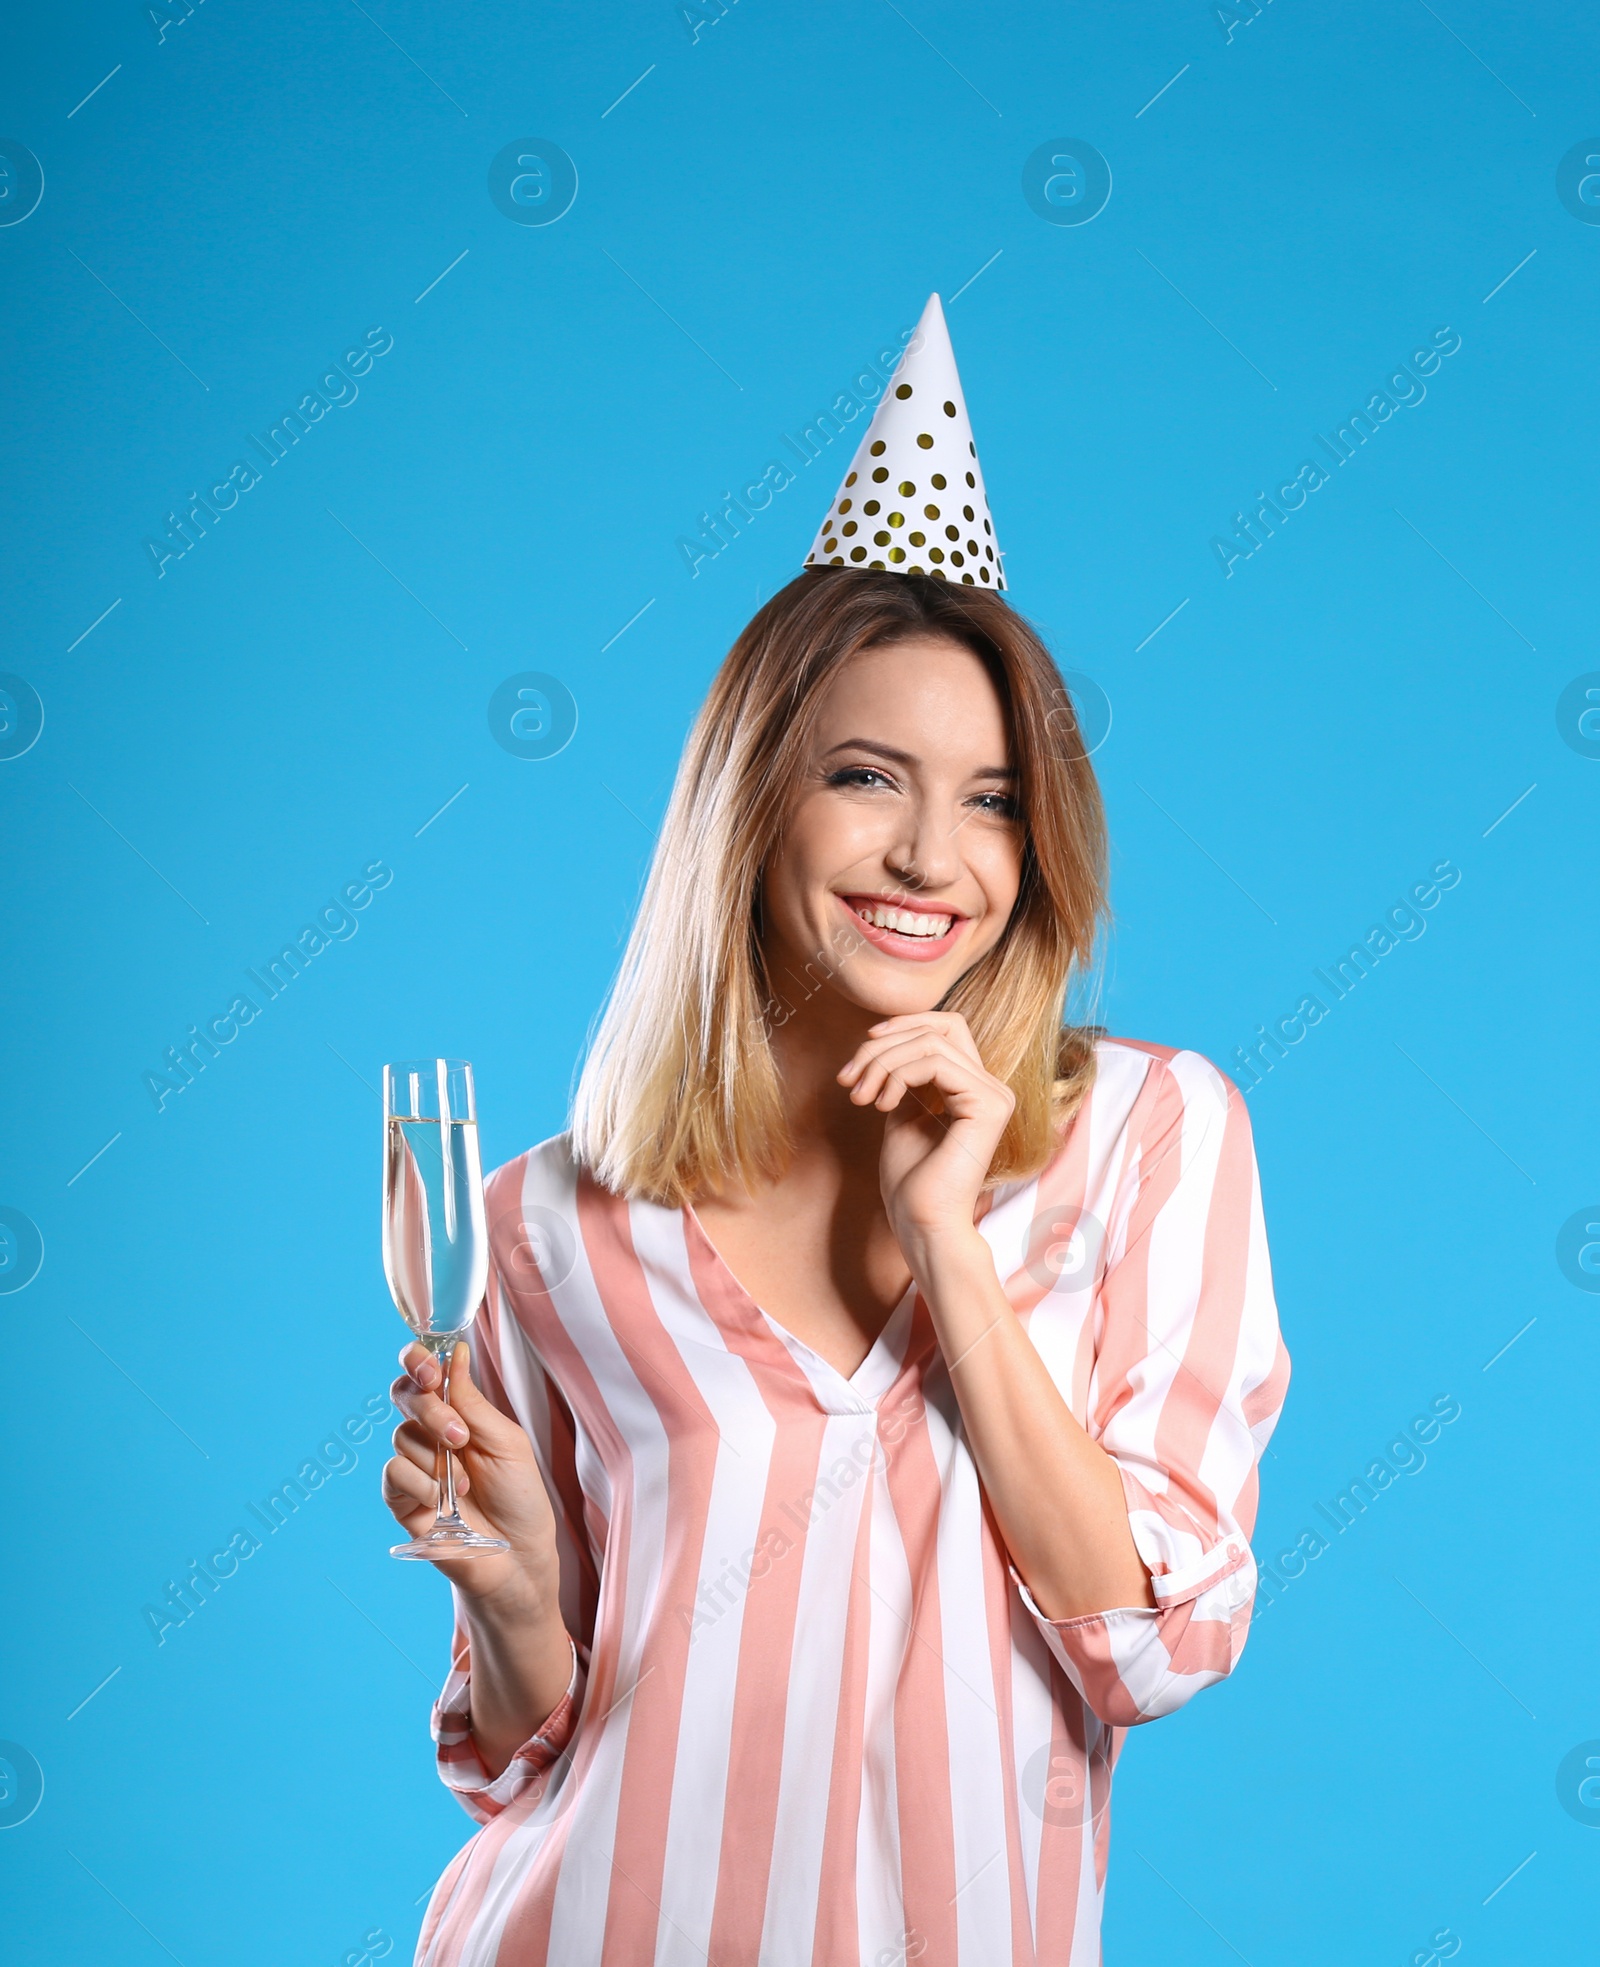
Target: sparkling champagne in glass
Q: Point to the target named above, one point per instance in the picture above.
(435, 1242)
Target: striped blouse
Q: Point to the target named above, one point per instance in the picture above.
(815, 1716)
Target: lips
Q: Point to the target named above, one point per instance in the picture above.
(898, 937)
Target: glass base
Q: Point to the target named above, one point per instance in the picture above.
(449, 1539)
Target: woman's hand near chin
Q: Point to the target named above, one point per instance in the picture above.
(945, 1115)
(509, 1601)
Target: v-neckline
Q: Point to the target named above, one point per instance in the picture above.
(882, 1363)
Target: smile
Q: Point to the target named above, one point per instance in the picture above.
(920, 935)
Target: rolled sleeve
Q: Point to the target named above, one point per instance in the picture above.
(1136, 1663)
(461, 1767)
(1190, 1375)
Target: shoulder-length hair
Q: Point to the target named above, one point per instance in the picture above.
(680, 1093)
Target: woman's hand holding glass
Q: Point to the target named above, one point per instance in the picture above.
(499, 1489)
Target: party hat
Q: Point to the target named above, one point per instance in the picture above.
(913, 499)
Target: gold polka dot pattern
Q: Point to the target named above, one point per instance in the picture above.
(918, 446)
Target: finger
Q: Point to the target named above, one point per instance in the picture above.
(917, 1032)
(878, 1049)
(910, 1080)
(489, 1428)
(960, 1036)
(414, 1442)
(404, 1480)
(407, 1492)
(420, 1365)
(429, 1411)
(895, 1085)
(890, 1094)
(405, 1394)
(891, 1032)
(949, 1024)
(967, 1092)
(935, 1046)
(407, 1487)
(908, 1020)
(423, 1376)
(421, 1453)
(917, 1060)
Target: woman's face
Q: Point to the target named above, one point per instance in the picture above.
(902, 859)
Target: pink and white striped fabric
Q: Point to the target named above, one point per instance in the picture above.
(816, 1718)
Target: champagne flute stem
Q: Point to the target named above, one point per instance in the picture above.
(445, 1467)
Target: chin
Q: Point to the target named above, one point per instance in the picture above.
(897, 996)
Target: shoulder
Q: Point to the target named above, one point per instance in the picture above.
(1132, 1072)
(1141, 1089)
(540, 1177)
(1145, 1103)
(531, 1203)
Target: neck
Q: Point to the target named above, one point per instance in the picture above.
(809, 1048)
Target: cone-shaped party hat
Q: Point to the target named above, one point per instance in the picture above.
(913, 499)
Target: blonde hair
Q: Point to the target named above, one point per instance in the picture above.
(680, 1092)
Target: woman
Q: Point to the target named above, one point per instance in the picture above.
(871, 1384)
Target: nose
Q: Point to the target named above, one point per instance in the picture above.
(927, 855)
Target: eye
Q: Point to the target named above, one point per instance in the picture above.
(1003, 805)
(860, 775)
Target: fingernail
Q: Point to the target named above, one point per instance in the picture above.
(454, 1431)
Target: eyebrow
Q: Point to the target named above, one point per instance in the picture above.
(897, 757)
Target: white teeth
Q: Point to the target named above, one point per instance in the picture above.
(904, 922)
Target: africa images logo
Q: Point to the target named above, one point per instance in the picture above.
(1403, 389)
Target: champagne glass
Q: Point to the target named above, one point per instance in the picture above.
(435, 1243)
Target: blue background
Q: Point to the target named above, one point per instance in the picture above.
(299, 693)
